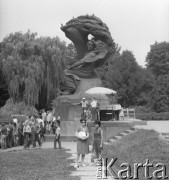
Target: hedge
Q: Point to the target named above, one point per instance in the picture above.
(153, 116)
(11, 108)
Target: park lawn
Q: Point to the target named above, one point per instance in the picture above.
(37, 164)
(136, 148)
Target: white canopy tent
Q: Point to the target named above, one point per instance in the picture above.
(100, 91)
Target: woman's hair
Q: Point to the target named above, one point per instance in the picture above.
(97, 122)
(83, 120)
(58, 122)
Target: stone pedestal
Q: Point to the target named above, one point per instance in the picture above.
(69, 107)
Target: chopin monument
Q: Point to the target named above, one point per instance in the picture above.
(91, 53)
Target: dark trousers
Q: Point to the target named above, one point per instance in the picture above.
(57, 140)
(83, 109)
(9, 140)
(26, 139)
(45, 123)
(35, 137)
(54, 130)
(42, 135)
(15, 139)
(20, 139)
(3, 141)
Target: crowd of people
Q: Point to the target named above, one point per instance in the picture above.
(30, 130)
(33, 129)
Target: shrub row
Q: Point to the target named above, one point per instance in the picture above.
(11, 108)
(5, 119)
(153, 116)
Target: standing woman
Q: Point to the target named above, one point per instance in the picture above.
(82, 135)
(97, 140)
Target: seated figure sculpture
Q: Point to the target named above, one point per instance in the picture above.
(91, 53)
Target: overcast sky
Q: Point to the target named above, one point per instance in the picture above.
(133, 24)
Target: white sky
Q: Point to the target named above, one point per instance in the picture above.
(133, 24)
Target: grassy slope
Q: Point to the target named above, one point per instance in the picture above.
(36, 164)
(136, 148)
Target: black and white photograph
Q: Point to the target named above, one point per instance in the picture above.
(84, 89)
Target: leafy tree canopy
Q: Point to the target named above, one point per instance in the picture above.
(131, 82)
(159, 96)
(31, 70)
(32, 67)
(158, 58)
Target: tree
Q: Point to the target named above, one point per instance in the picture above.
(158, 58)
(159, 96)
(3, 90)
(158, 62)
(3, 85)
(145, 85)
(102, 70)
(132, 82)
(33, 67)
(70, 55)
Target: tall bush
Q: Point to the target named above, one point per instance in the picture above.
(20, 108)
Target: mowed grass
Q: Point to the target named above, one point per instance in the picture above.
(136, 148)
(42, 164)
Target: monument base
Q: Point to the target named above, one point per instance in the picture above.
(69, 107)
(110, 129)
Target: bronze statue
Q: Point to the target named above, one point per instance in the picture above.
(91, 53)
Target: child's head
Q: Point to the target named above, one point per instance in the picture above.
(97, 123)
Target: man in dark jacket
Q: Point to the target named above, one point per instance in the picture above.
(20, 134)
(36, 134)
(3, 136)
(9, 138)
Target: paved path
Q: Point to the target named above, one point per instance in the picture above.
(89, 172)
(159, 126)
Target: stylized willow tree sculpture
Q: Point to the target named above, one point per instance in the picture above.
(90, 53)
